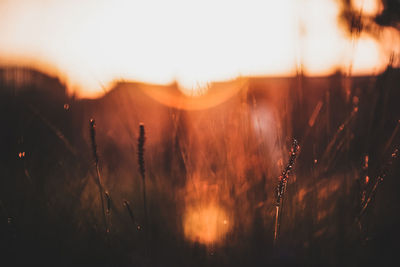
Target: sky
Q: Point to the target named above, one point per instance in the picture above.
(91, 43)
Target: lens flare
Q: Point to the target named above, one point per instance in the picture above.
(206, 224)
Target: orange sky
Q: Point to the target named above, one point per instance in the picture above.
(93, 42)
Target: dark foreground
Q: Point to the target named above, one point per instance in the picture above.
(337, 211)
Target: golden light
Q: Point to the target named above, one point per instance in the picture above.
(194, 42)
(368, 7)
(206, 224)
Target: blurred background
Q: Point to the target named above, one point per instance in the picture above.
(222, 88)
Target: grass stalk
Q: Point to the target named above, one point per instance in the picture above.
(281, 188)
(142, 171)
(98, 176)
(367, 202)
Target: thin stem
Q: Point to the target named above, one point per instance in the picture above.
(98, 176)
(141, 141)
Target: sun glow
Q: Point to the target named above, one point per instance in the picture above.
(193, 42)
(206, 225)
(368, 7)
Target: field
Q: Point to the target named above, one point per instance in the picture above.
(211, 174)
